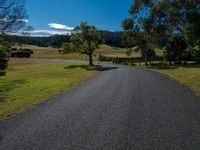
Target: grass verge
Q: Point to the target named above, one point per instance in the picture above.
(28, 82)
(188, 75)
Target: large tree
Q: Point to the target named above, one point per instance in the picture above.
(85, 39)
(137, 27)
(157, 22)
(174, 20)
(13, 18)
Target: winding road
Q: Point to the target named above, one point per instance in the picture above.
(122, 108)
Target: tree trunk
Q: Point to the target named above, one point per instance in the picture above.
(90, 60)
(146, 59)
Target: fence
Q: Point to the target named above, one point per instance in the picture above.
(119, 60)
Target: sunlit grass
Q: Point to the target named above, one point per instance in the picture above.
(188, 75)
(28, 82)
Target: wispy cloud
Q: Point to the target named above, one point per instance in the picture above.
(51, 32)
(60, 26)
(41, 33)
(48, 32)
(25, 20)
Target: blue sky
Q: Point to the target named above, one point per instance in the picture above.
(60, 16)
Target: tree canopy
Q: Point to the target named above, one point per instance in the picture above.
(85, 39)
(13, 18)
(154, 22)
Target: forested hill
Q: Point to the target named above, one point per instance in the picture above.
(109, 38)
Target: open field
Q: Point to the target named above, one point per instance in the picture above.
(49, 52)
(188, 75)
(28, 82)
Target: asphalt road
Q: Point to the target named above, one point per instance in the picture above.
(119, 109)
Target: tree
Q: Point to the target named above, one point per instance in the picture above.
(137, 26)
(175, 50)
(85, 39)
(12, 19)
(13, 16)
(157, 22)
(4, 54)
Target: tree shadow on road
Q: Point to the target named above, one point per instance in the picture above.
(91, 68)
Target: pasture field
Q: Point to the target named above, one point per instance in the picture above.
(28, 82)
(105, 50)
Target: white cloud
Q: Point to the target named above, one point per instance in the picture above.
(48, 32)
(25, 20)
(60, 26)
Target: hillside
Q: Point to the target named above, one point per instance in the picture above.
(105, 50)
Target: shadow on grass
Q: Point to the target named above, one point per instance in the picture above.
(2, 73)
(91, 68)
(7, 86)
(161, 66)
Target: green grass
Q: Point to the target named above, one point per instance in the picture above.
(49, 52)
(28, 82)
(114, 51)
(105, 50)
(188, 75)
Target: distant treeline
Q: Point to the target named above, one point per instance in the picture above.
(109, 38)
(53, 41)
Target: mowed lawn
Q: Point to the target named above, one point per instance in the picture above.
(28, 82)
(188, 75)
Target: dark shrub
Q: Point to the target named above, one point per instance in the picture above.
(175, 50)
(13, 49)
(27, 50)
(4, 54)
(195, 52)
(22, 53)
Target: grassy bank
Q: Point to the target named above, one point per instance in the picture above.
(28, 82)
(188, 75)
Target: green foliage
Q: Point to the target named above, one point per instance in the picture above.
(127, 24)
(175, 50)
(21, 53)
(137, 27)
(86, 39)
(112, 38)
(68, 48)
(150, 53)
(55, 41)
(4, 54)
(195, 52)
(161, 22)
(128, 39)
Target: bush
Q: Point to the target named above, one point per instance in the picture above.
(196, 54)
(27, 50)
(21, 53)
(175, 50)
(4, 55)
(150, 53)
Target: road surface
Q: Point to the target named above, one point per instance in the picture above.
(121, 108)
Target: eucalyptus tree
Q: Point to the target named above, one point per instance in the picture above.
(85, 39)
(137, 27)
